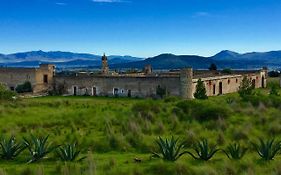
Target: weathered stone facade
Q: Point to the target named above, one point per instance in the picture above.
(181, 84)
(41, 78)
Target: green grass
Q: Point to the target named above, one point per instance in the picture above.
(113, 132)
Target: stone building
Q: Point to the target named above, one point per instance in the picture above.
(181, 84)
(146, 84)
(41, 78)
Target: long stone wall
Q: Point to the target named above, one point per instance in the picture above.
(115, 85)
(181, 84)
(225, 84)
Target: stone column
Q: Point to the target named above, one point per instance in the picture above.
(186, 76)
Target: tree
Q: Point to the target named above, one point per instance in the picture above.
(227, 71)
(161, 91)
(200, 92)
(25, 87)
(246, 88)
(213, 67)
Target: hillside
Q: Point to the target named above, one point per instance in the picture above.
(117, 135)
(170, 61)
(224, 59)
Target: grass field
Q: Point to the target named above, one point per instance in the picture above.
(112, 132)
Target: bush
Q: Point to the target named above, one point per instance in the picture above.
(274, 89)
(6, 94)
(25, 87)
(203, 110)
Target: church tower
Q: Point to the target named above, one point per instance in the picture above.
(105, 68)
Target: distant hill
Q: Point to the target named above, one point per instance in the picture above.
(224, 59)
(169, 61)
(226, 55)
(61, 59)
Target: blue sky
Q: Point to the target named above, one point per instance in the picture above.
(140, 27)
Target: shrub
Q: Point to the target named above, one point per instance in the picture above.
(267, 149)
(10, 149)
(170, 149)
(69, 153)
(25, 87)
(38, 147)
(235, 151)
(203, 110)
(200, 92)
(6, 94)
(204, 151)
(274, 89)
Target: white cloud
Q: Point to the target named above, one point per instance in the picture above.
(201, 14)
(60, 3)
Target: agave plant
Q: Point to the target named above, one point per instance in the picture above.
(204, 151)
(170, 149)
(38, 147)
(267, 149)
(235, 151)
(69, 152)
(10, 149)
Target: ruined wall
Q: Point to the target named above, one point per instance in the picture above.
(115, 85)
(12, 77)
(219, 85)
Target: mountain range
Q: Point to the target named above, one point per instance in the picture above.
(224, 59)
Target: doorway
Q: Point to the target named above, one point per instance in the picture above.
(74, 90)
(129, 93)
(262, 82)
(94, 91)
(220, 88)
(214, 89)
